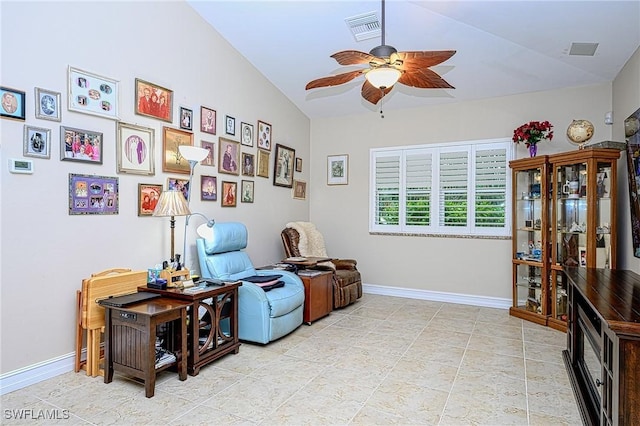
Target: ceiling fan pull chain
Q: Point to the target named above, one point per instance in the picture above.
(381, 99)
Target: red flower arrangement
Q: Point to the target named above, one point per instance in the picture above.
(533, 132)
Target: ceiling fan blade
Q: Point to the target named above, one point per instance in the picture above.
(423, 59)
(354, 57)
(373, 94)
(424, 79)
(333, 80)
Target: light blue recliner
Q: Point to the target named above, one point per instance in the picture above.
(263, 316)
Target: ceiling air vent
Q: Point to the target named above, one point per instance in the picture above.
(365, 26)
(583, 49)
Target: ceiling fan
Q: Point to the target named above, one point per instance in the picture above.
(386, 67)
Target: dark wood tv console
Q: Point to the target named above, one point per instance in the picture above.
(603, 344)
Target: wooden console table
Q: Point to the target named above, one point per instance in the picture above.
(603, 344)
(318, 294)
(130, 338)
(206, 340)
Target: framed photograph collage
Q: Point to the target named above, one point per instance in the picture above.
(98, 95)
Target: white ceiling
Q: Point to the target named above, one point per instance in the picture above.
(503, 47)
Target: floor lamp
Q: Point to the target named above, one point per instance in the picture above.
(193, 155)
(172, 203)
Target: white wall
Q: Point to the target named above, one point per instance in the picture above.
(467, 266)
(46, 252)
(626, 100)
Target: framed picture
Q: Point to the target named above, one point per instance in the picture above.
(283, 166)
(92, 94)
(338, 169)
(148, 196)
(36, 142)
(246, 134)
(186, 118)
(153, 101)
(583, 256)
(246, 190)
(299, 190)
(91, 194)
(207, 120)
(80, 145)
(178, 184)
(264, 135)
(48, 105)
(230, 125)
(172, 160)
(248, 164)
(209, 159)
(135, 149)
(208, 188)
(228, 156)
(263, 163)
(12, 103)
(229, 190)
(298, 164)
(632, 135)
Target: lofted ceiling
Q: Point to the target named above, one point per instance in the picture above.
(503, 47)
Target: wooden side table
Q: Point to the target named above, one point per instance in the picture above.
(130, 337)
(206, 340)
(318, 294)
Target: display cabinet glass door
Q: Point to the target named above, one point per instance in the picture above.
(530, 291)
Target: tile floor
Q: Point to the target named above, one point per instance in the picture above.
(384, 360)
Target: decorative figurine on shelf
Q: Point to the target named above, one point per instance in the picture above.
(577, 228)
(177, 266)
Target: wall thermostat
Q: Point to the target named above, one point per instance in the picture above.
(20, 165)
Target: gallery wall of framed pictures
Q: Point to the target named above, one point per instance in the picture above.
(245, 151)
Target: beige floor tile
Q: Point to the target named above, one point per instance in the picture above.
(383, 360)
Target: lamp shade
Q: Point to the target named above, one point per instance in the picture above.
(193, 153)
(383, 77)
(172, 203)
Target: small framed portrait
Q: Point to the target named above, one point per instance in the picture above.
(246, 191)
(153, 101)
(209, 159)
(48, 105)
(248, 164)
(263, 163)
(186, 118)
(246, 134)
(208, 188)
(230, 125)
(207, 120)
(36, 142)
(283, 166)
(179, 184)
(228, 156)
(299, 190)
(91, 194)
(135, 149)
(92, 94)
(338, 169)
(172, 160)
(265, 135)
(148, 196)
(298, 164)
(80, 145)
(228, 196)
(12, 103)
(583, 256)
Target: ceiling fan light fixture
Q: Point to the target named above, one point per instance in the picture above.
(383, 77)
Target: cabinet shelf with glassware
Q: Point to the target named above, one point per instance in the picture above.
(530, 213)
(584, 219)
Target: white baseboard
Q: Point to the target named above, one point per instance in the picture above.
(32, 374)
(35, 373)
(438, 296)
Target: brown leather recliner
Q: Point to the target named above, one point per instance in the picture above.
(347, 283)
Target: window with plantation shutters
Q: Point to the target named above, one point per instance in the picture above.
(452, 189)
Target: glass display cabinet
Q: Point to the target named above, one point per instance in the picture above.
(530, 227)
(583, 219)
